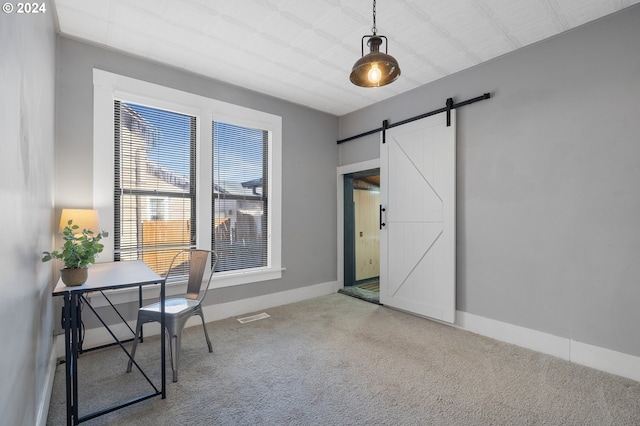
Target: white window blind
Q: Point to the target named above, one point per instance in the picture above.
(240, 197)
(155, 185)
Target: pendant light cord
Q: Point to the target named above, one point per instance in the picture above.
(374, 29)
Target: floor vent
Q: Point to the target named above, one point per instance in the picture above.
(253, 318)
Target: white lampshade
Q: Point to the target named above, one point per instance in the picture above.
(84, 218)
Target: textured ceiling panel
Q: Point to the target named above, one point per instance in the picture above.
(303, 51)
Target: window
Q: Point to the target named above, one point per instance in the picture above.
(158, 208)
(240, 203)
(165, 192)
(154, 191)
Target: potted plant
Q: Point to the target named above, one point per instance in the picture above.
(78, 252)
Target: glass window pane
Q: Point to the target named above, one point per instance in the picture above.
(154, 194)
(239, 197)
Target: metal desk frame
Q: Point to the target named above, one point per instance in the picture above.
(104, 276)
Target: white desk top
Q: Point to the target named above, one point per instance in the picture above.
(111, 275)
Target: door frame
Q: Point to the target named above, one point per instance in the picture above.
(350, 246)
(341, 171)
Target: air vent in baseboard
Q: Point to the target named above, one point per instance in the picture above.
(253, 318)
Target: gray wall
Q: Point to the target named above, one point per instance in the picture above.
(309, 159)
(27, 87)
(548, 181)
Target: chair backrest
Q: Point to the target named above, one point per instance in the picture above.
(197, 265)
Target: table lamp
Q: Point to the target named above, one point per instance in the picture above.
(84, 218)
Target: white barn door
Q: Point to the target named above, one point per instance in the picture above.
(417, 241)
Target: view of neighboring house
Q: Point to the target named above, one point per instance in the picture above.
(155, 197)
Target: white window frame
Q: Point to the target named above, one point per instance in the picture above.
(109, 87)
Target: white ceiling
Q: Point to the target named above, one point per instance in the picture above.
(303, 50)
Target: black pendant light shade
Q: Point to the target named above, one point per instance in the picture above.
(375, 68)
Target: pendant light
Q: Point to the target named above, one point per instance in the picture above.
(375, 68)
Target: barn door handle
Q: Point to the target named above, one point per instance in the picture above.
(382, 209)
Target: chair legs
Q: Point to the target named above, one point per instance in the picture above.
(174, 332)
(206, 335)
(174, 350)
(176, 344)
(135, 344)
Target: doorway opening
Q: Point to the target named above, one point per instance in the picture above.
(362, 235)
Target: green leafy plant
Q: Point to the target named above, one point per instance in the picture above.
(80, 249)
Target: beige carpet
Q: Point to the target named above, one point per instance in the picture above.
(337, 360)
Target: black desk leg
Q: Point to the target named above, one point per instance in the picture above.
(140, 306)
(75, 307)
(67, 354)
(163, 334)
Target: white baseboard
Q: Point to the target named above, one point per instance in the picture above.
(245, 306)
(613, 362)
(603, 359)
(520, 336)
(100, 336)
(45, 400)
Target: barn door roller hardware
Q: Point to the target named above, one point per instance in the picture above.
(449, 106)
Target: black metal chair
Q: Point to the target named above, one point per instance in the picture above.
(179, 309)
